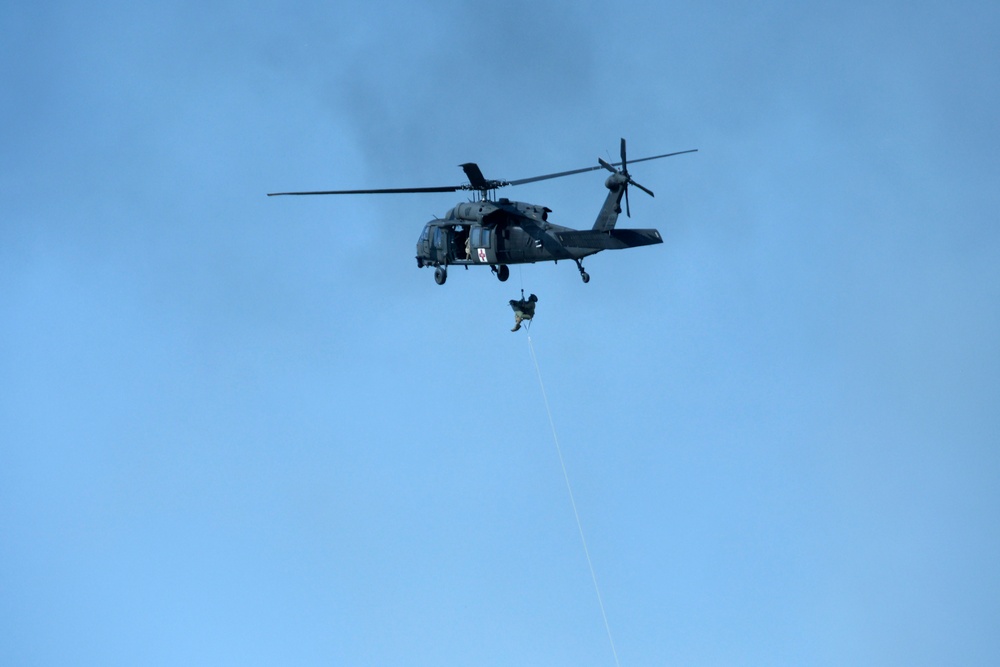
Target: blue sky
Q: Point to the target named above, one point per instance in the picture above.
(248, 431)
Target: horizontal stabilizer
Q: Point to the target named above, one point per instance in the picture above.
(613, 239)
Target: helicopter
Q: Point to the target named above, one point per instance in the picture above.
(499, 232)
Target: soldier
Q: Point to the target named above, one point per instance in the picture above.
(523, 309)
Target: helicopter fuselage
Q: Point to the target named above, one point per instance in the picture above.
(503, 232)
(494, 233)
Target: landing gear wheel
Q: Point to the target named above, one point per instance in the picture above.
(440, 275)
(503, 273)
(585, 276)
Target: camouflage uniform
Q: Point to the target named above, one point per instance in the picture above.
(523, 310)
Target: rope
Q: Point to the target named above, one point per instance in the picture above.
(572, 500)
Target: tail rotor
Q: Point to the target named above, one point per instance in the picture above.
(628, 179)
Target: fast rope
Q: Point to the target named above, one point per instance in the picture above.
(572, 500)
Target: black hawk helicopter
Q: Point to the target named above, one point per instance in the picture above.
(497, 233)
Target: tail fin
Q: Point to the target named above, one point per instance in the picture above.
(612, 207)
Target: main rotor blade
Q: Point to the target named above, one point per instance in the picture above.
(522, 181)
(455, 188)
(657, 157)
(603, 164)
(385, 191)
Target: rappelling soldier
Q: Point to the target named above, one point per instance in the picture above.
(524, 309)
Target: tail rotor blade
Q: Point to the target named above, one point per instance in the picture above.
(646, 190)
(628, 209)
(607, 166)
